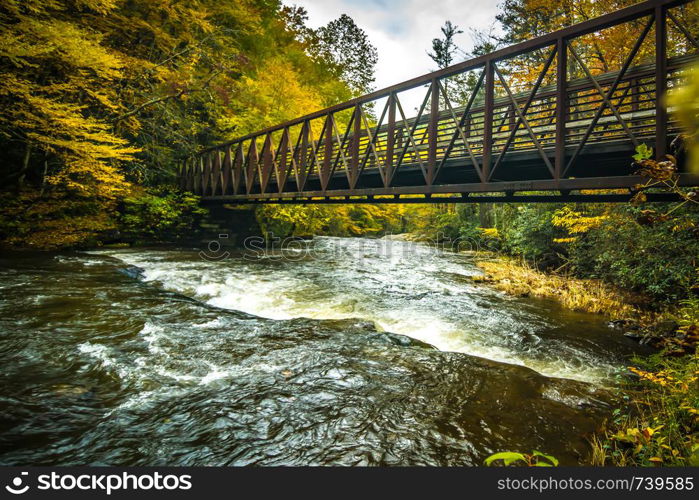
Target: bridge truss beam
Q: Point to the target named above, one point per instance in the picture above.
(568, 127)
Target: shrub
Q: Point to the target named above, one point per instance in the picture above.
(159, 214)
(658, 258)
(531, 234)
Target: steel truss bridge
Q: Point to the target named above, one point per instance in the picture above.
(536, 121)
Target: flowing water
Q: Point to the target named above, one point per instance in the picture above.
(337, 351)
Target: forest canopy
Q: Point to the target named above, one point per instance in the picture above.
(101, 97)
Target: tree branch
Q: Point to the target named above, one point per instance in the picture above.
(168, 97)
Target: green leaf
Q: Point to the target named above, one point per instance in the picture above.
(508, 457)
(553, 460)
(643, 152)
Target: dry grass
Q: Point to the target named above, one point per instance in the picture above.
(587, 295)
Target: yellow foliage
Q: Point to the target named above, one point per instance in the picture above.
(577, 294)
(100, 93)
(56, 220)
(489, 232)
(685, 102)
(576, 223)
(62, 111)
(334, 220)
(272, 96)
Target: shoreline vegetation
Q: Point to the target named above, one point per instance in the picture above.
(658, 420)
(520, 279)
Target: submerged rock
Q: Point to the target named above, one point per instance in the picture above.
(133, 272)
(624, 324)
(69, 390)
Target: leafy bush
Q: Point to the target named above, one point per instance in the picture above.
(663, 424)
(336, 220)
(448, 226)
(160, 214)
(532, 234)
(534, 459)
(658, 258)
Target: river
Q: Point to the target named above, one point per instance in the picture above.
(337, 351)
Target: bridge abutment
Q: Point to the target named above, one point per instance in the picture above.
(228, 224)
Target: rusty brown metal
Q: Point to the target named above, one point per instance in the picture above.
(488, 118)
(607, 96)
(522, 112)
(206, 173)
(302, 158)
(660, 81)
(280, 162)
(227, 174)
(411, 142)
(251, 167)
(340, 156)
(216, 175)
(463, 199)
(463, 129)
(629, 182)
(328, 152)
(353, 174)
(561, 115)
(267, 162)
(576, 134)
(432, 131)
(371, 151)
(238, 168)
(390, 139)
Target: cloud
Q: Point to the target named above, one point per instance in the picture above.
(402, 30)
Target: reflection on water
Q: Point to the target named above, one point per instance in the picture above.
(322, 359)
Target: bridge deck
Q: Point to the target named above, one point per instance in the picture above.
(571, 128)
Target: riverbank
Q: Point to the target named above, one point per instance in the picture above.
(587, 295)
(658, 423)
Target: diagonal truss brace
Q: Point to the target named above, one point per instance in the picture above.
(608, 95)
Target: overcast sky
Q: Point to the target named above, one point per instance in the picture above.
(402, 30)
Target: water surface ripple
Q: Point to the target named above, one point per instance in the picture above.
(353, 355)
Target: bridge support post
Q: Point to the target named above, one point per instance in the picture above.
(561, 106)
(488, 118)
(433, 131)
(390, 139)
(660, 81)
(354, 148)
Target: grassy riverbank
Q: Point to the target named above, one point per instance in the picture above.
(520, 279)
(659, 423)
(658, 420)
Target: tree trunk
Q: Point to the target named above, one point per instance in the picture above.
(25, 166)
(485, 214)
(43, 176)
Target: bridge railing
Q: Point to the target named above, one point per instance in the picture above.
(526, 117)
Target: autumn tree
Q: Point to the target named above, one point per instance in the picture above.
(57, 89)
(102, 97)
